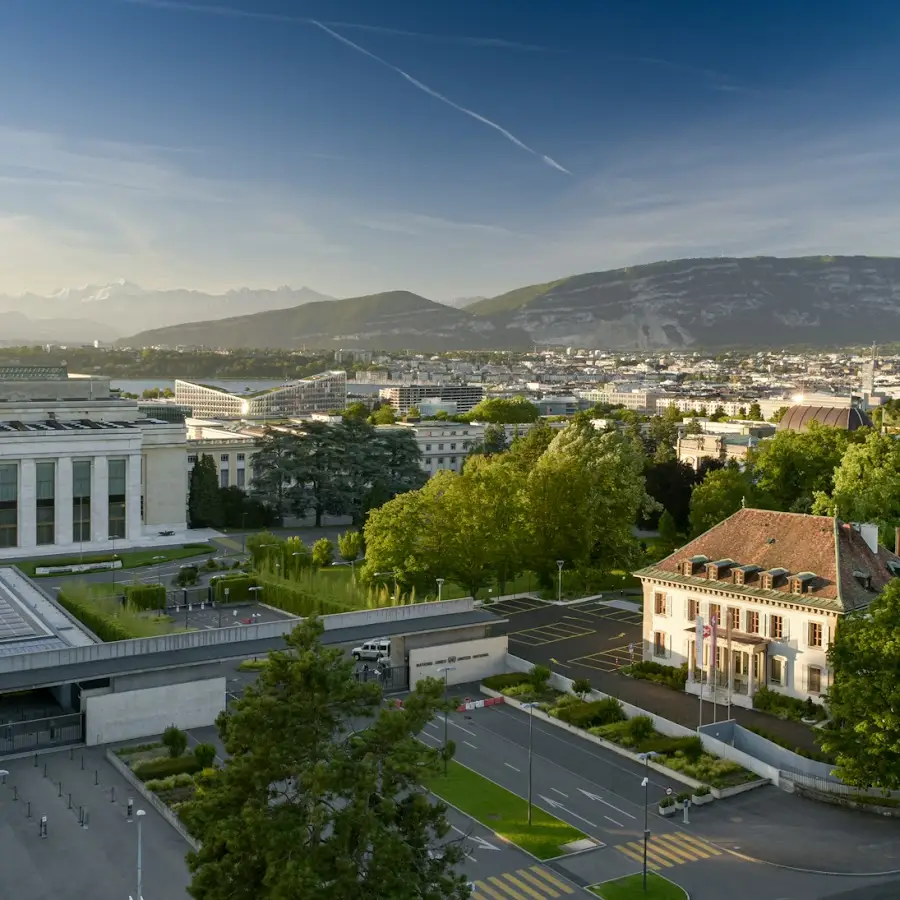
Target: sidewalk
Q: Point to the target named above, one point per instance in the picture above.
(685, 708)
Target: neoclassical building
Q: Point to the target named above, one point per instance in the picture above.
(81, 469)
(777, 585)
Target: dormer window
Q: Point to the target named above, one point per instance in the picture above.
(738, 576)
(690, 566)
(766, 581)
(802, 583)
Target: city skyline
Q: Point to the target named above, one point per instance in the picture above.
(445, 151)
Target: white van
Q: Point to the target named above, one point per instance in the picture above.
(375, 649)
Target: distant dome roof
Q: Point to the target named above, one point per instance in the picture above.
(798, 418)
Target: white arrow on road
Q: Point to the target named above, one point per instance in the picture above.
(482, 843)
(601, 800)
(557, 805)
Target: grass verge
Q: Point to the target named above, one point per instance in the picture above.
(253, 665)
(131, 559)
(503, 812)
(631, 887)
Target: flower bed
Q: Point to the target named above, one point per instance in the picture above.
(785, 707)
(648, 670)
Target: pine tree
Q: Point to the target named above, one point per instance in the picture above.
(204, 500)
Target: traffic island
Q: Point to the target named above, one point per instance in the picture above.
(505, 813)
(632, 888)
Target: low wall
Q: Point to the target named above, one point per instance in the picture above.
(151, 798)
(77, 568)
(126, 715)
(711, 744)
(470, 660)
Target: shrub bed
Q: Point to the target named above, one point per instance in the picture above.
(103, 625)
(674, 677)
(585, 714)
(777, 704)
(508, 680)
(145, 596)
(238, 587)
(165, 766)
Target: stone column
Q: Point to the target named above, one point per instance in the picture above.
(27, 504)
(133, 523)
(100, 500)
(751, 687)
(64, 507)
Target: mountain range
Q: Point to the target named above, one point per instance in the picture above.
(708, 303)
(704, 303)
(109, 311)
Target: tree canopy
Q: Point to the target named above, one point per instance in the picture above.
(722, 493)
(864, 698)
(204, 502)
(322, 794)
(504, 411)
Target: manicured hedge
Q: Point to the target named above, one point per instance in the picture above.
(647, 670)
(238, 588)
(596, 712)
(166, 766)
(105, 627)
(510, 679)
(145, 596)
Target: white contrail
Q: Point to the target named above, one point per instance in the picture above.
(438, 96)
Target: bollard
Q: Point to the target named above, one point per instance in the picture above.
(71, 753)
(45, 770)
(4, 777)
(687, 806)
(35, 760)
(59, 790)
(70, 801)
(43, 827)
(82, 762)
(81, 815)
(15, 792)
(130, 809)
(28, 814)
(96, 776)
(112, 795)
(84, 820)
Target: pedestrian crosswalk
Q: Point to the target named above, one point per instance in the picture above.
(536, 883)
(667, 850)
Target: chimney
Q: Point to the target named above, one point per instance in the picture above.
(897, 541)
(869, 533)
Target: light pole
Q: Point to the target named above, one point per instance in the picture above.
(392, 575)
(140, 815)
(295, 555)
(255, 591)
(446, 670)
(227, 592)
(531, 707)
(159, 560)
(645, 784)
(559, 564)
(440, 584)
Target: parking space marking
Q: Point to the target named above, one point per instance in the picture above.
(548, 634)
(605, 660)
(515, 607)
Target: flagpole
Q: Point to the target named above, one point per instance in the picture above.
(713, 668)
(698, 662)
(730, 665)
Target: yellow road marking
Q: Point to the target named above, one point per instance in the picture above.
(655, 857)
(484, 886)
(504, 887)
(702, 846)
(637, 857)
(668, 844)
(524, 887)
(545, 873)
(534, 880)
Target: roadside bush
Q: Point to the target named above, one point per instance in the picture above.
(138, 748)
(183, 779)
(539, 676)
(205, 754)
(211, 564)
(203, 548)
(507, 680)
(167, 765)
(187, 575)
(322, 552)
(238, 588)
(648, 670)
(104, 626)
(174, 740)
(595, 713)
(640, 728)
(145, 596)
(777, 704)
(581, 687)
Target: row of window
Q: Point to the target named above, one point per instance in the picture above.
(46, 505)
(775, 627)
(465, 446)
(440, 460)
(778, 667)
(224, 458)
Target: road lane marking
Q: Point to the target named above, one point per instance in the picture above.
(702, 846)
(530, 891)
(631, 854)
(511, 766)
(557, 805)
(461, 727)
(605, 803)
(524, 873)
(561, 794)
(546, 873)
(431, 724)
(470, 744)
(608, 819)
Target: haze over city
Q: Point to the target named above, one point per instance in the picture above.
(452, 150)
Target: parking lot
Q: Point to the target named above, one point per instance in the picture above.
(204, 616)
(597, 635)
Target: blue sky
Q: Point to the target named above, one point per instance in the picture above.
(452, 149)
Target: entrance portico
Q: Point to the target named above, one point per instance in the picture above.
(738, 670)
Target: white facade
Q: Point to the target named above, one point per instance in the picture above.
(85, 475)
(777, 644)
(444, 445)
(233, 457)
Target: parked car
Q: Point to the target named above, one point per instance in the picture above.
(374, 649)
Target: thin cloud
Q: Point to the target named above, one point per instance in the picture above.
(232, 12)
(547, 160)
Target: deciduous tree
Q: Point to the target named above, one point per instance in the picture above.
(865, 694)
(350, 546)
(322, 793)
(722, 493)
(204, 501)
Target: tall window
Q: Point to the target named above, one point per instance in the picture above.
(241, 479)
(81, 500)
(776, 627)
(814, 680)
(117, 469)
(45, 477)
(715, 612)
(223, 478)
(814, 634)
(9, 505)
(693, 609)
(660, 604)
(734, 618)
(752, 622)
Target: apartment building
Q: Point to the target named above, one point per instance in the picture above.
(762, 595)
(402, 397)
(444, 445)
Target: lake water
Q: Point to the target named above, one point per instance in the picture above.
(138, 386)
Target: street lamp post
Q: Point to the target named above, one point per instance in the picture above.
(159, 560)
(531, 707)
(645, 784)
(255, 590)
(440, 584)
(140, 815)
(559, 564)
(392, 575)
(446, 670)
(227, 592)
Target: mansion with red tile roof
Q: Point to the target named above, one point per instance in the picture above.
(776, 585)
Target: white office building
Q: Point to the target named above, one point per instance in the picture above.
(81, 469)
(319, 393)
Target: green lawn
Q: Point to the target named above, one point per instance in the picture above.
(632, 888)
(131, 559)
(503, 812)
